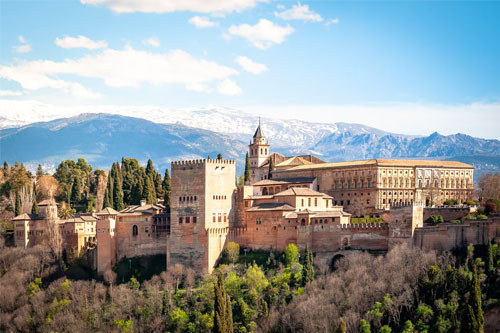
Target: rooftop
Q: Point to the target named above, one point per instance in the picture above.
(108, 211)
(270, 206)
(302, 191)
(381, 162)
(25, 216)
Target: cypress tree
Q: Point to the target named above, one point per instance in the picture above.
(117, 195)
(219, 156)
(108, 202)
(34, 208)
(18, 204)
(223, 315)
(489, 260)
(39, 171)
(473, 318)
(150, 170)
(166, 190)
(158, 185)
(148, 192)
(6, 168)
(271, 167)
(76, 190)
(308, 273)
(247, 168)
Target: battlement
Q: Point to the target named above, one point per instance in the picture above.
(363, 226)
(408, 204)
(202, 162)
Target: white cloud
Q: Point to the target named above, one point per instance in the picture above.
(153, 41)
(250, 66)
(121, 68)
(10, 93)
(168, 6)
(201, 22)
(299, 12)
(262, 35)
(332, 21)
(228, 87)
(25, 48)
(21, 39)
(80, 42)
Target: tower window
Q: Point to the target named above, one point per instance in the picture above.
(135, 231)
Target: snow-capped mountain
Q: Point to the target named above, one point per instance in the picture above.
(111, 132)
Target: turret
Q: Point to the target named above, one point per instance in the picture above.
(258, 149)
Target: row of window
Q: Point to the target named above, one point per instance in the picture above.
(219, 218)
(219, 197)
(188, 219)
(352, 184)
(188, 198)
(255, 151)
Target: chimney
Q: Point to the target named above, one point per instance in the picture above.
(143, 203)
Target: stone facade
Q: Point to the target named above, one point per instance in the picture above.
(202, 210)
(370, 185)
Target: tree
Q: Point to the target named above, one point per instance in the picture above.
(34, 208)
(408, 327)
(223, 315)
(291, 254)
(117, 195)
(490, 207)
(150, 170)
(490, 267)
(76, 190)
(247, 168)
(489, 186)
(47, 187)
(39, 171)
(17, 208)
(472, 317)
(166, 190)
(108, 202)
(232, 251)
(342, 328)
(219, 156)
(364, 326)
(308, 275)
(271, 168)
(148, 192)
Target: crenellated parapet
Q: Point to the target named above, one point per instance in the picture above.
(200, 163)
(365, 227)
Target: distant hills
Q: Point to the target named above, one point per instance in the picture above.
(165, 135)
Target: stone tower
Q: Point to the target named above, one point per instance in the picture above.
(202, 210)
(258, 152)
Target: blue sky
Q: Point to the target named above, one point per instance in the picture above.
(372, 62)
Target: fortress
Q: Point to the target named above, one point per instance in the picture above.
(296, 199)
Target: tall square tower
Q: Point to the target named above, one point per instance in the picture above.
(202, 210)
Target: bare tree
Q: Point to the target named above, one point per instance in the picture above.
(47, 187)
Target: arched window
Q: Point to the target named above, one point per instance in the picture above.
(264, 191)
(135, 231)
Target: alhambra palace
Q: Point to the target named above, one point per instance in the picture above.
(298, 199)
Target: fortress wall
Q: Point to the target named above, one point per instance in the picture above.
(448, 213)
(448, 236)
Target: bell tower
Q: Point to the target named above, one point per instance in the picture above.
(259, 149)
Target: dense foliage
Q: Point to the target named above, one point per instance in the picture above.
(402, 291)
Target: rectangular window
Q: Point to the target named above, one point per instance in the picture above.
(302, 203)
(315, 202)
(180, 220)
(225, 218)
(219, 219)
(194, 219)
(188, 219)
(213, 218)
(246, 203)
(309, 202)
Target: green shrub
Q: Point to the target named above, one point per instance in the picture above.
(435, 219)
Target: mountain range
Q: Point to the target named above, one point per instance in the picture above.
(165, 135)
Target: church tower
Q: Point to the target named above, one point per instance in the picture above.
(259, 152)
